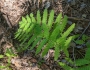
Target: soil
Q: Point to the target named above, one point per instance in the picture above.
(78, 12)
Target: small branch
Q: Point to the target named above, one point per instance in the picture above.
(84, 31)
(78, 19)
(7, 20)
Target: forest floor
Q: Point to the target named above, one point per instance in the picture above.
(78, 12)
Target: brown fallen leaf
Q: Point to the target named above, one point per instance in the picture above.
(33, 60)
(16, 62)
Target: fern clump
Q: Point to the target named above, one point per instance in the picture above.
(45, 33)
(80, 64)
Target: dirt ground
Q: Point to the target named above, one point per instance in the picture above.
(78, 12)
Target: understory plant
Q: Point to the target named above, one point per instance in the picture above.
(80, 64)
(44, 33)
(8, 54)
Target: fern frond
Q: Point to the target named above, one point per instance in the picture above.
(58, 19)
(22, 25)
(52, 40)
(68, 31)
(20, 30)
(51, 18)
(61, 41)
(28, 18)
(29, 34)
(87, 55)
(66, 52)
(86, 67)
(44, 19)
(43, 42)
(35, 42)
(32, 18)
(44, 31)
(55, 33)
(49, 45)
(66, 45)
(29, 42)
(28, 23)
(57, 52)
(23, 21)
(66, 67)
(38, 17)
(80, 62)
(63, 25)
(18, 33)
(26, 28)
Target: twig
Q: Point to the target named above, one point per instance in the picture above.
(73, 53)
(7, 20)
(79, 38)
(79, 19)
(84, 31)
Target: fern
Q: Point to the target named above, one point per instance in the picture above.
(38, 17)
(84, 63)
(45, 33)
(50, 21)
(87, 67)
(64, 21)
(87, 55)
(65, 67)
(80, 62)
(41, 45)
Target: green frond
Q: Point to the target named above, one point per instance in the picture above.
(66, 52)
(30, 32)
(65, 67)
(44, 19)
(55, 33)
(49, 45)
(87, 55)
(52, 39)
(80, 62)
(44, 31)
(43, 42)
(35, 42)
(18, 33)
(61, 41)
(24, 27)
(51, 19)
(57, 52)
(23, 22)
(67, 43)
(86, 67)
(88, 44)
(28, 23)
(68, 31)
(44, 24)
(58, 19)
(28, 19)
(24, 32)
(38, 17)
(32, 18)
(63, 24)
(29, 42)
